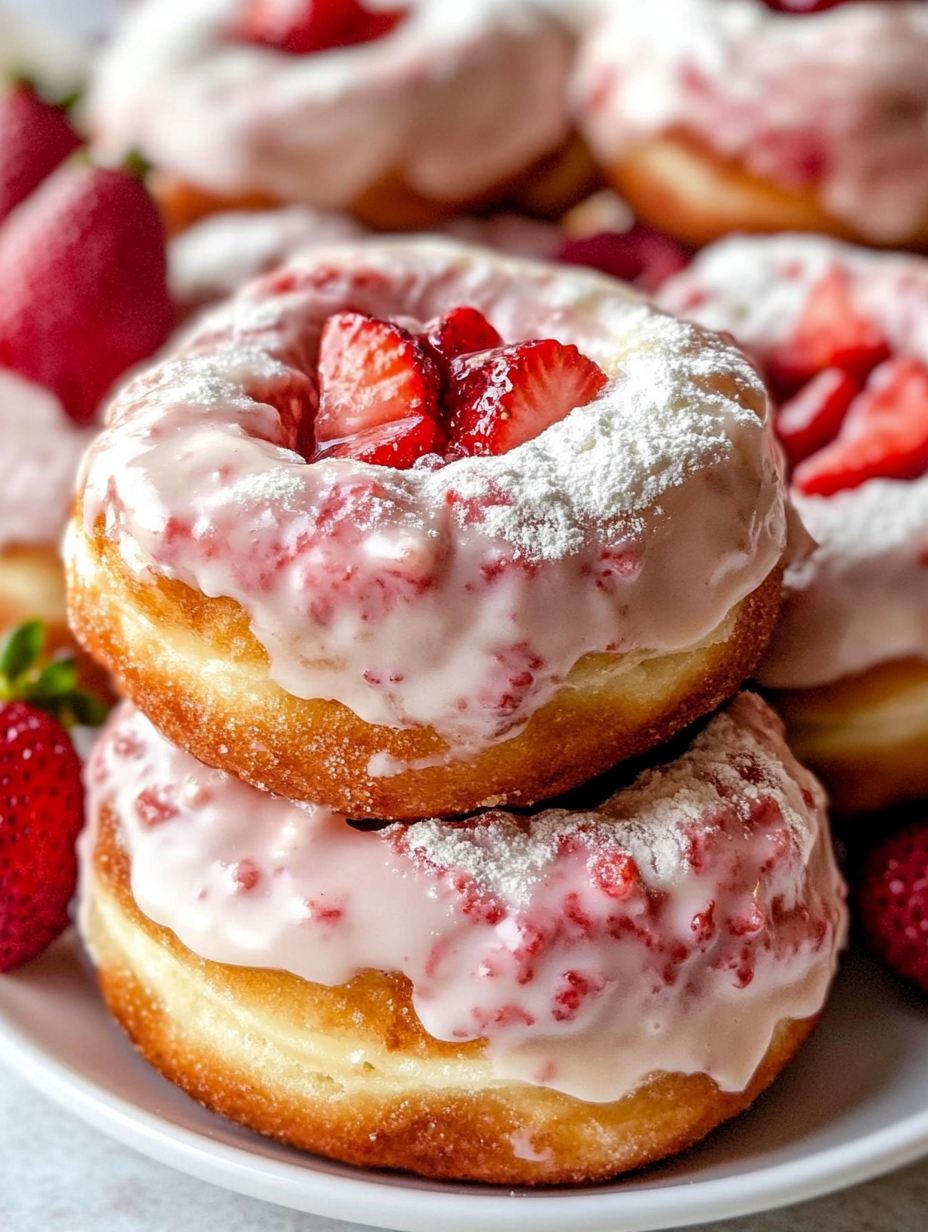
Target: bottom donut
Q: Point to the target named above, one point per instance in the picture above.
(552, 998)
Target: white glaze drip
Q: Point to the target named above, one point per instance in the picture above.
(582, 973)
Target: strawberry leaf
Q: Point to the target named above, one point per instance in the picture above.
(19, 653)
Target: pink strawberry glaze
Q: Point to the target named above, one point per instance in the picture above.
(458, 98)
(860, 598)
(457, 596)
(39, 452)
(837, 100)
(669, 929)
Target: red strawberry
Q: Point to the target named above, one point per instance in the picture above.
(34, 138)
(461, 331)
(642, 256)
(892, 902)
(372, 372)
(304, 26)
(397, 444)
(830, 333)
(83, 272)
(884, 434)
(41, 815)
(508, 395)
(812, 417)
(801, 6)
(41, 797)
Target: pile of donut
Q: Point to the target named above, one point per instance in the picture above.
(486, 631)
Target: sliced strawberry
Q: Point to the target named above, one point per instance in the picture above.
(34, 138)
(461, 331)
(812, 417)
(642, 256)
(884, 434)
(830, 333)
(397, 444)
(506, 396)
(372, 372)
(301, 27)
(84, 278)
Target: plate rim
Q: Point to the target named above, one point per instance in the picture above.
(383, 1200)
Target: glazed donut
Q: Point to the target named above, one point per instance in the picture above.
(214, 257)
(711, 118)
(470, 631)
(517, 1000)
(849, 657)
(38, 461)
(454, 106)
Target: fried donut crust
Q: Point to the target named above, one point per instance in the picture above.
(864, 735)
(281, 1055)
(192, 665)
(680, 186)
(546, 190)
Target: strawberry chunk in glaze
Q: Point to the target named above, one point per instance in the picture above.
(301, 27)
(884, 434)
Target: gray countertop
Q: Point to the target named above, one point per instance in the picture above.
(58, 1175)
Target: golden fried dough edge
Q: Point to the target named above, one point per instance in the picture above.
(194, 668)
(349, 1072)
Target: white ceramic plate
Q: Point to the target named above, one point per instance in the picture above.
(854, 1104)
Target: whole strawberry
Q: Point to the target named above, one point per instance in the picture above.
(84, 284)
(41, 797)
(892, 902)
(35, 137)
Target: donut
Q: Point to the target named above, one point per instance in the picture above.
(430, 110)
(38, 461)
(212, 258)
(841, 333)
(512, 999)
(455, 630)
(744, 116)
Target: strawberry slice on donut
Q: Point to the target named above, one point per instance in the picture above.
(397, 444)
(505, 396)
(301, 27)
(884, 433)
(830, 333)
(811, 418)
(461, 331)
(374, 374)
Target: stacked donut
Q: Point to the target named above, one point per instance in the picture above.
(401, 544)
(840, 333)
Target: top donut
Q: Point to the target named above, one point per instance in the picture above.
(427, 638)
(446, 104)
(721, 115)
